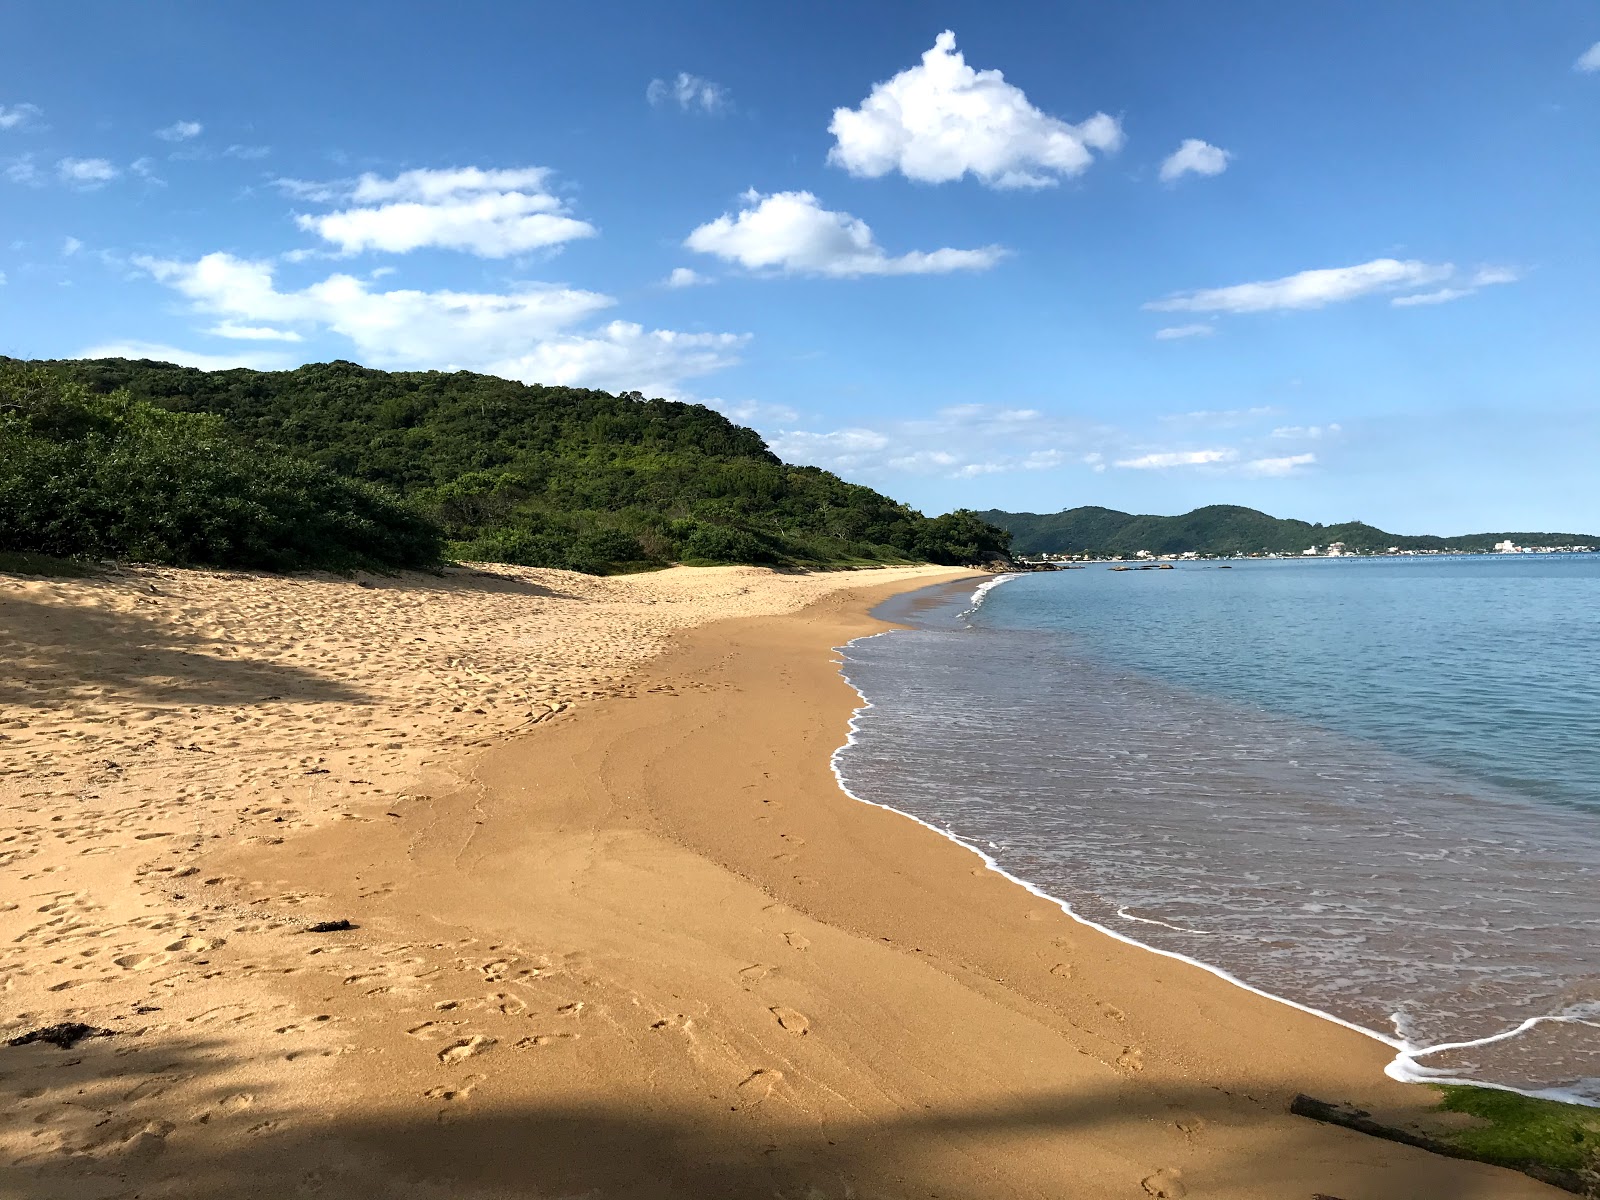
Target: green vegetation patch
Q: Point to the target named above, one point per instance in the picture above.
(1518, 1130)
(22, 563)
(110, 476)
(539, 476)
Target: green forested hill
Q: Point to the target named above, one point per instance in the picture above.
(546, 476)
(1226, 529)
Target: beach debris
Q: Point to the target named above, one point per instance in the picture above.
(1350, 1117)
(66, 1035)
(338, 926)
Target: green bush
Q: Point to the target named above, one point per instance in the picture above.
(112, 477)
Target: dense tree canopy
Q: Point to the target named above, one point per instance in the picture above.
(112, 476)
(549, 476)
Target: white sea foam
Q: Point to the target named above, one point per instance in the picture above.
(1404, 1066)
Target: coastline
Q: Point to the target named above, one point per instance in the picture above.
(652, 949)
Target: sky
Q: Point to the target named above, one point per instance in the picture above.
(1332, 261)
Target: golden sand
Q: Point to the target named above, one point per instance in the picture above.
(617, 933)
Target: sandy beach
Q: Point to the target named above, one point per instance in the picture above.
(614, 930)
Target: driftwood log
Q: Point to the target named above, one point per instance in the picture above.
(1350, 1117)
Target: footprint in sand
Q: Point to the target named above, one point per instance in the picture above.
(476, 1044)
(570, 1010)
(542, 1039)
(797, 941)
(141, 962)
(459, 1092)
(758, 1085)
(1165, 1184)
(1131, 1059)
(755, 972)
(791, 1021)
(511, 1006)
(429, 1030)
(1062, 970)
(1112, 1011)
(193, 945)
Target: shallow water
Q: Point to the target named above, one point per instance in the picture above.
(1368, 787)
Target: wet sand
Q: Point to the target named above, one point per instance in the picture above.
(644, 949)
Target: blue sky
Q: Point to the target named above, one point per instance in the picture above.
(1332, 261)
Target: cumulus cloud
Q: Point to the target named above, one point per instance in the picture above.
(22, 170)
(1589, 60)
(188, 358)
(526, 333)
(1176, 458)
(1309, 289)
(180, 131)
(1174, 332)
(941, 120)
(489, 213)
(1194, 157)
(86, 173)
(70, 246)
(1279, 466)
(791, 232)
(683, 277)
(16, 115)
(688, 92)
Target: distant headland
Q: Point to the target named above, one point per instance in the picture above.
(1230, 530)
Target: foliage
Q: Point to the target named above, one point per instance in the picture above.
(105, 476)
(1516, 1130)
(1225, 529)
(554, 476)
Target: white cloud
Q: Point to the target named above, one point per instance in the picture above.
(1173, 332)
(180, 131)
(145, 169)
(938, 121)
(1311, 432)
(1279, 466)
(247, 153)
(490, 213)
(70, 246)
(523, 334)
(1589, 60)
(253, 333)
(1176, 458)
(623, 356)
(86, 173)
(187, 358)
(688, 92)
(793, 233)
(683, 277)
(753, 412)
(1194, 157)
(2, 279)
(16, 115)
(957, 442)
(1483, 277)
(22, 170)
(1309, 289)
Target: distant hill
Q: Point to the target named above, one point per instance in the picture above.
(1226, 529)
(497, 470)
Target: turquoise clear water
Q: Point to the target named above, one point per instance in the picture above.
(1370, 787)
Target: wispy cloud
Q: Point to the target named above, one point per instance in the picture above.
(1589, 60)
(1308, 289)
(690, 93)
(180, 131)
(1485, 277)
(253, 333)
(86, 173)
(15, 116)
(1175, 332)
(160, 352)
(1279, 466)
(1163, 460)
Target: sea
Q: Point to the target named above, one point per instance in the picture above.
(1366, 787)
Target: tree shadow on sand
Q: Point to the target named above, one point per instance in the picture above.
(54, 652)
(131, 1116)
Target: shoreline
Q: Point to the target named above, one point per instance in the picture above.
(651, 948)
(1404, 1066)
